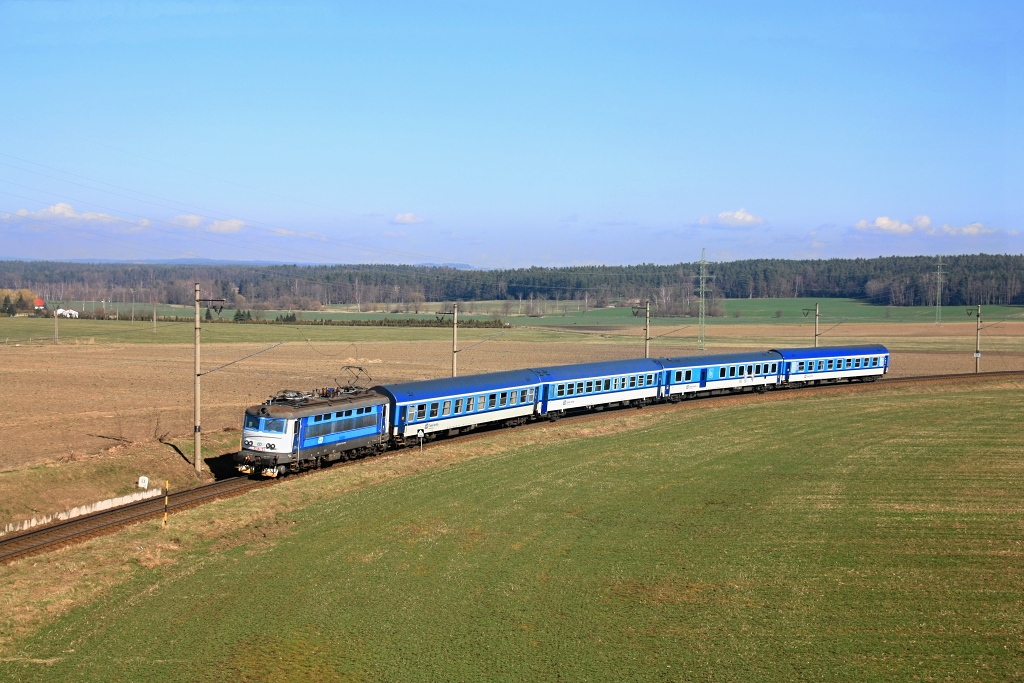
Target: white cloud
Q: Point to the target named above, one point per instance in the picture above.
(970, 230)
(921, 222)
(887, 225)
(739, 218)
(189, 220)
(230, 225)
(406, 218)
(63, 212)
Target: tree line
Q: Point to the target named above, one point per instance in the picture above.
(895, 280)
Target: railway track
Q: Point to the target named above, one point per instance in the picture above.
(82, 528)
(75, 530)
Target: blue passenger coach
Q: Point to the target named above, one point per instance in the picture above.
(688, 375)
(569, 387)
(460, 403)
(832, 363)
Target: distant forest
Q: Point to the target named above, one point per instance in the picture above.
(895, 281)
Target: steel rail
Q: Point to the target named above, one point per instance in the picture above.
(67, 532)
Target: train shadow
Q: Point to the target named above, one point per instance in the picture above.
(222, 466)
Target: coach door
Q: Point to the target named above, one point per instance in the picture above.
(703, 377)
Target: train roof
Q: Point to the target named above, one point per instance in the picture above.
(559, 373)
(427, 389)
(829, 351)
(305, 404)
(720, 359)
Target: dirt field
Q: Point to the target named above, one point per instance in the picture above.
(92, 415)
(67, 401)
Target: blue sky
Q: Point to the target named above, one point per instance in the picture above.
(510, 134)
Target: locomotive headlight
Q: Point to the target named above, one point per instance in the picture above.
(271, 447)
(247, 442)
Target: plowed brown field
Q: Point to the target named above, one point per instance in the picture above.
(83, 399)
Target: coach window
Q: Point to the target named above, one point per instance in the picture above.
(874, 362)
(632, 381)
(421, 411)
(570, 388)
(446, 408)
(458, 406)
(433, 410)
(561, 390)
(800, 366)
(615, 383)
(590, 386)
(492, 400)
(732, 370)
(513, 397)
(830, 365)
(579, 387)
(689, 375)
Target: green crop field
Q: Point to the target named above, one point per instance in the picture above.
(869, 536)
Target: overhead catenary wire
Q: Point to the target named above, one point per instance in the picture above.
(239, 360)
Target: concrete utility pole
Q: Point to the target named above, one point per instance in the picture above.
(701, 345)
(154, 316)
(647, 332)
(197, 431)
(977, 343)
(817, 314)
(455, 338)
(938, 293)
(56, 334)
(197, 436)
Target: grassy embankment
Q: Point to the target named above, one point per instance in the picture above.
(865, 536)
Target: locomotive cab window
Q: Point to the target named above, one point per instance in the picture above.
(274, 426)
(252, 422)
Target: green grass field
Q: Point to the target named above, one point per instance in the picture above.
(873, 536)
(751, 311)
(763, 311)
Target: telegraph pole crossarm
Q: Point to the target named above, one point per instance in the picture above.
(197, 442)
